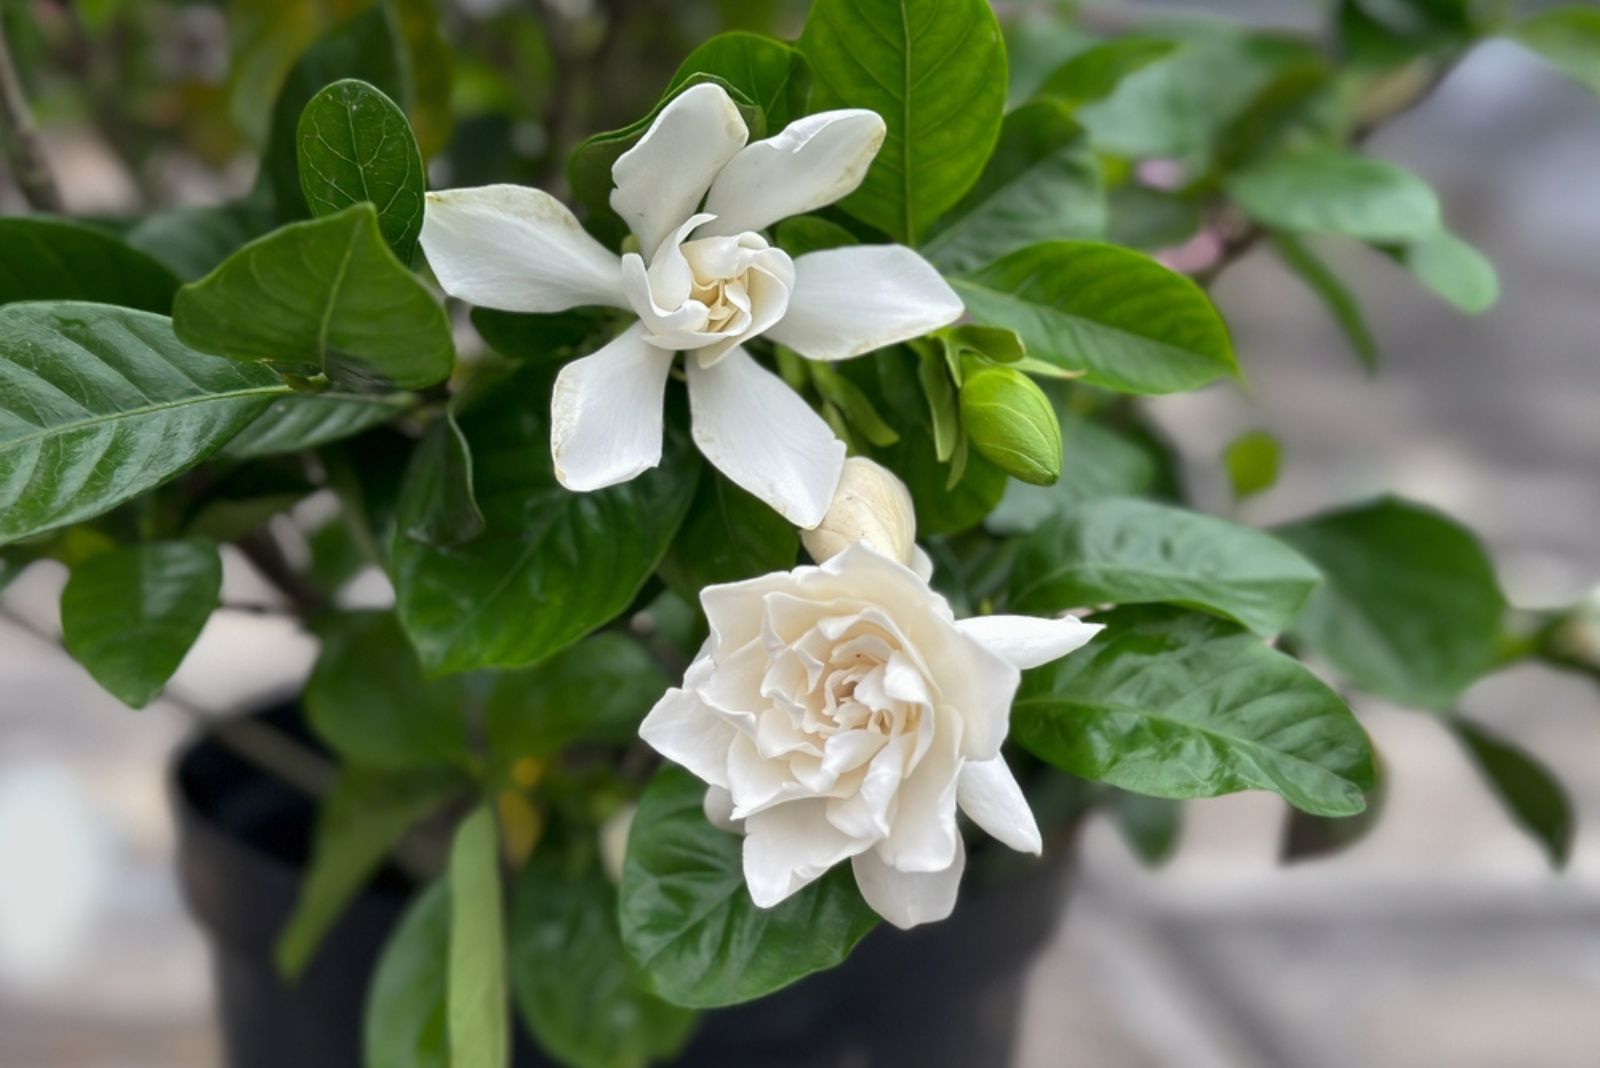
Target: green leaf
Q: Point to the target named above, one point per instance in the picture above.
(1410, 609)
(1120, 317)
(192, 241)
(265, 37)
(936, 71)
(1095, 73)
(478, 1028)
(1252, 460)
(322, 297)
(1567, 37)
(405, 1024)
(55, 259)
(430, 64)
(811, 233)
(545, 338)
(551, 565)
(688, 921)
(130, 615)
(437, 504)
(368, 700)
(1100, 462)
(573, 984)
(1307, 837)
(101, 404)
(598, 690)
(1454, 270)
(355, 146)
(769, 72)
(1150, 825)
(1041, 183)
(358, 823)
(1124, 551)
(307, 421)
(1319, 277)
(1529, 791)
(1178, 705)
(1327, 191)
(728, 536)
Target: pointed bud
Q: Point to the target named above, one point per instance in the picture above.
(870, 505)
(1010, 421)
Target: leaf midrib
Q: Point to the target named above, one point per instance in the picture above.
(279, 390)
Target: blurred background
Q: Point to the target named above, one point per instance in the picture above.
(1442, 938)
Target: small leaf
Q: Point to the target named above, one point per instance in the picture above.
(476, 998)
(1095, 73)
(1529, 791)
(55, 259)
(406, 1017)
(1325, 191)
(1568, 37)
(1340, 301)
(130, 615)
(769, 72)
(1252, 460)
(1454, 270)
(354, 146)
(437, 504)
(728, 536)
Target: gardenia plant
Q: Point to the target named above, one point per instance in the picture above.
(614, 732)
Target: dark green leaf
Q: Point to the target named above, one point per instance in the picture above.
(1569, 38)
(1529, 791)
(688, 921)
(769, 72)
(405, 1025)
(1122, 318)
(307, 421)
(477, 1009)
(1340, 301)
(326, 296)
(1178, 705)
(728, 536)
(1150, 825)
(55, 259)
(1095, 73)
(437, 504)
(1326, 191)
(192, 241)
(936, 71)
(1252, 461)
(544, 338)
(1410, 609)
(101, 404)
(1455, 271)
(812, 233)
(130, 615)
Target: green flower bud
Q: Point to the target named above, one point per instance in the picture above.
(1010, 421)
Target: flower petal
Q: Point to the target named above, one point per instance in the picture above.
(516, 249)
(988, 793)
(1028, 641)
(718, 807)
(789, 846)
(849, 301)
(812, 163)
(924, 835)
(661, 179)
(906, 899)
(605, 413)
(681, 728)
(758, 432)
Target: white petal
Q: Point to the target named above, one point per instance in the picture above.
(660, 180)
(605, 413)
(988, 793)
(924, 836)
(906, 899)
(849, 301)
(718, 807)
(681, 728)
(758, 432)
(812, 163)
(516, 249)
(1028, 641)
(921, 563)
(788, 847)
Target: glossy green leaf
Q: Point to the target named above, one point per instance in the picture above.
(310, 420)
(476, 999)
(1307, 837)
(1095, 73)
(688, 922)
(368, 700)
(1530, 792)
(769, 72)
(936, 71)
(101, 404)
(130, 615)
(56, 259)
(322, 297)
(1252, 460)
(1042, 183)
(1319, 277)
(438, 505)
(405, 1024)
(1125, 551)
(354, 145)
(728, 536)
(358, 823)
(1326, 191)
(1410, 609)
(572, 981)
(551, 565)
(1120, 317)
(1178, 705)
(1455, 271)
(192, 241)
(1568, 37)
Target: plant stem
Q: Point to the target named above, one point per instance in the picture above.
(29, 166)
(262, 550)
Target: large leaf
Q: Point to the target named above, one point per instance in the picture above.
(476, 1001)
(1126, 551)
(1118, 316)
(438, 505)
(55, 259)
(551, 565)
(936, 71)
(1410, 609)
(572, 981)
(130, 615)
(100, 404)
(1041, 183)
(192, 241)
(326, 297)
(306, 421)
(728, 535)
(688, 921)
(1568, 37)
(405, 1024)
(1527, 788)
(1173, 704)
(770, 73)
(355, 145)
(1325, 191)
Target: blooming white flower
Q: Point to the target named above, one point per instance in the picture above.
(703, 282)
(842, 712)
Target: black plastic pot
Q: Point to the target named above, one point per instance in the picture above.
(946, 994)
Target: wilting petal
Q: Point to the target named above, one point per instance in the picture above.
(516, 249)
(849, 301)
(681, 728)
(1028, 641)
(906, 899)
(812, 163)
(660, 180)
(789, 846)
(988, 793)
(757, 431)
(605, 413)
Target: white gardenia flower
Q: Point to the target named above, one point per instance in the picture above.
(704, 281)
(843, 712)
